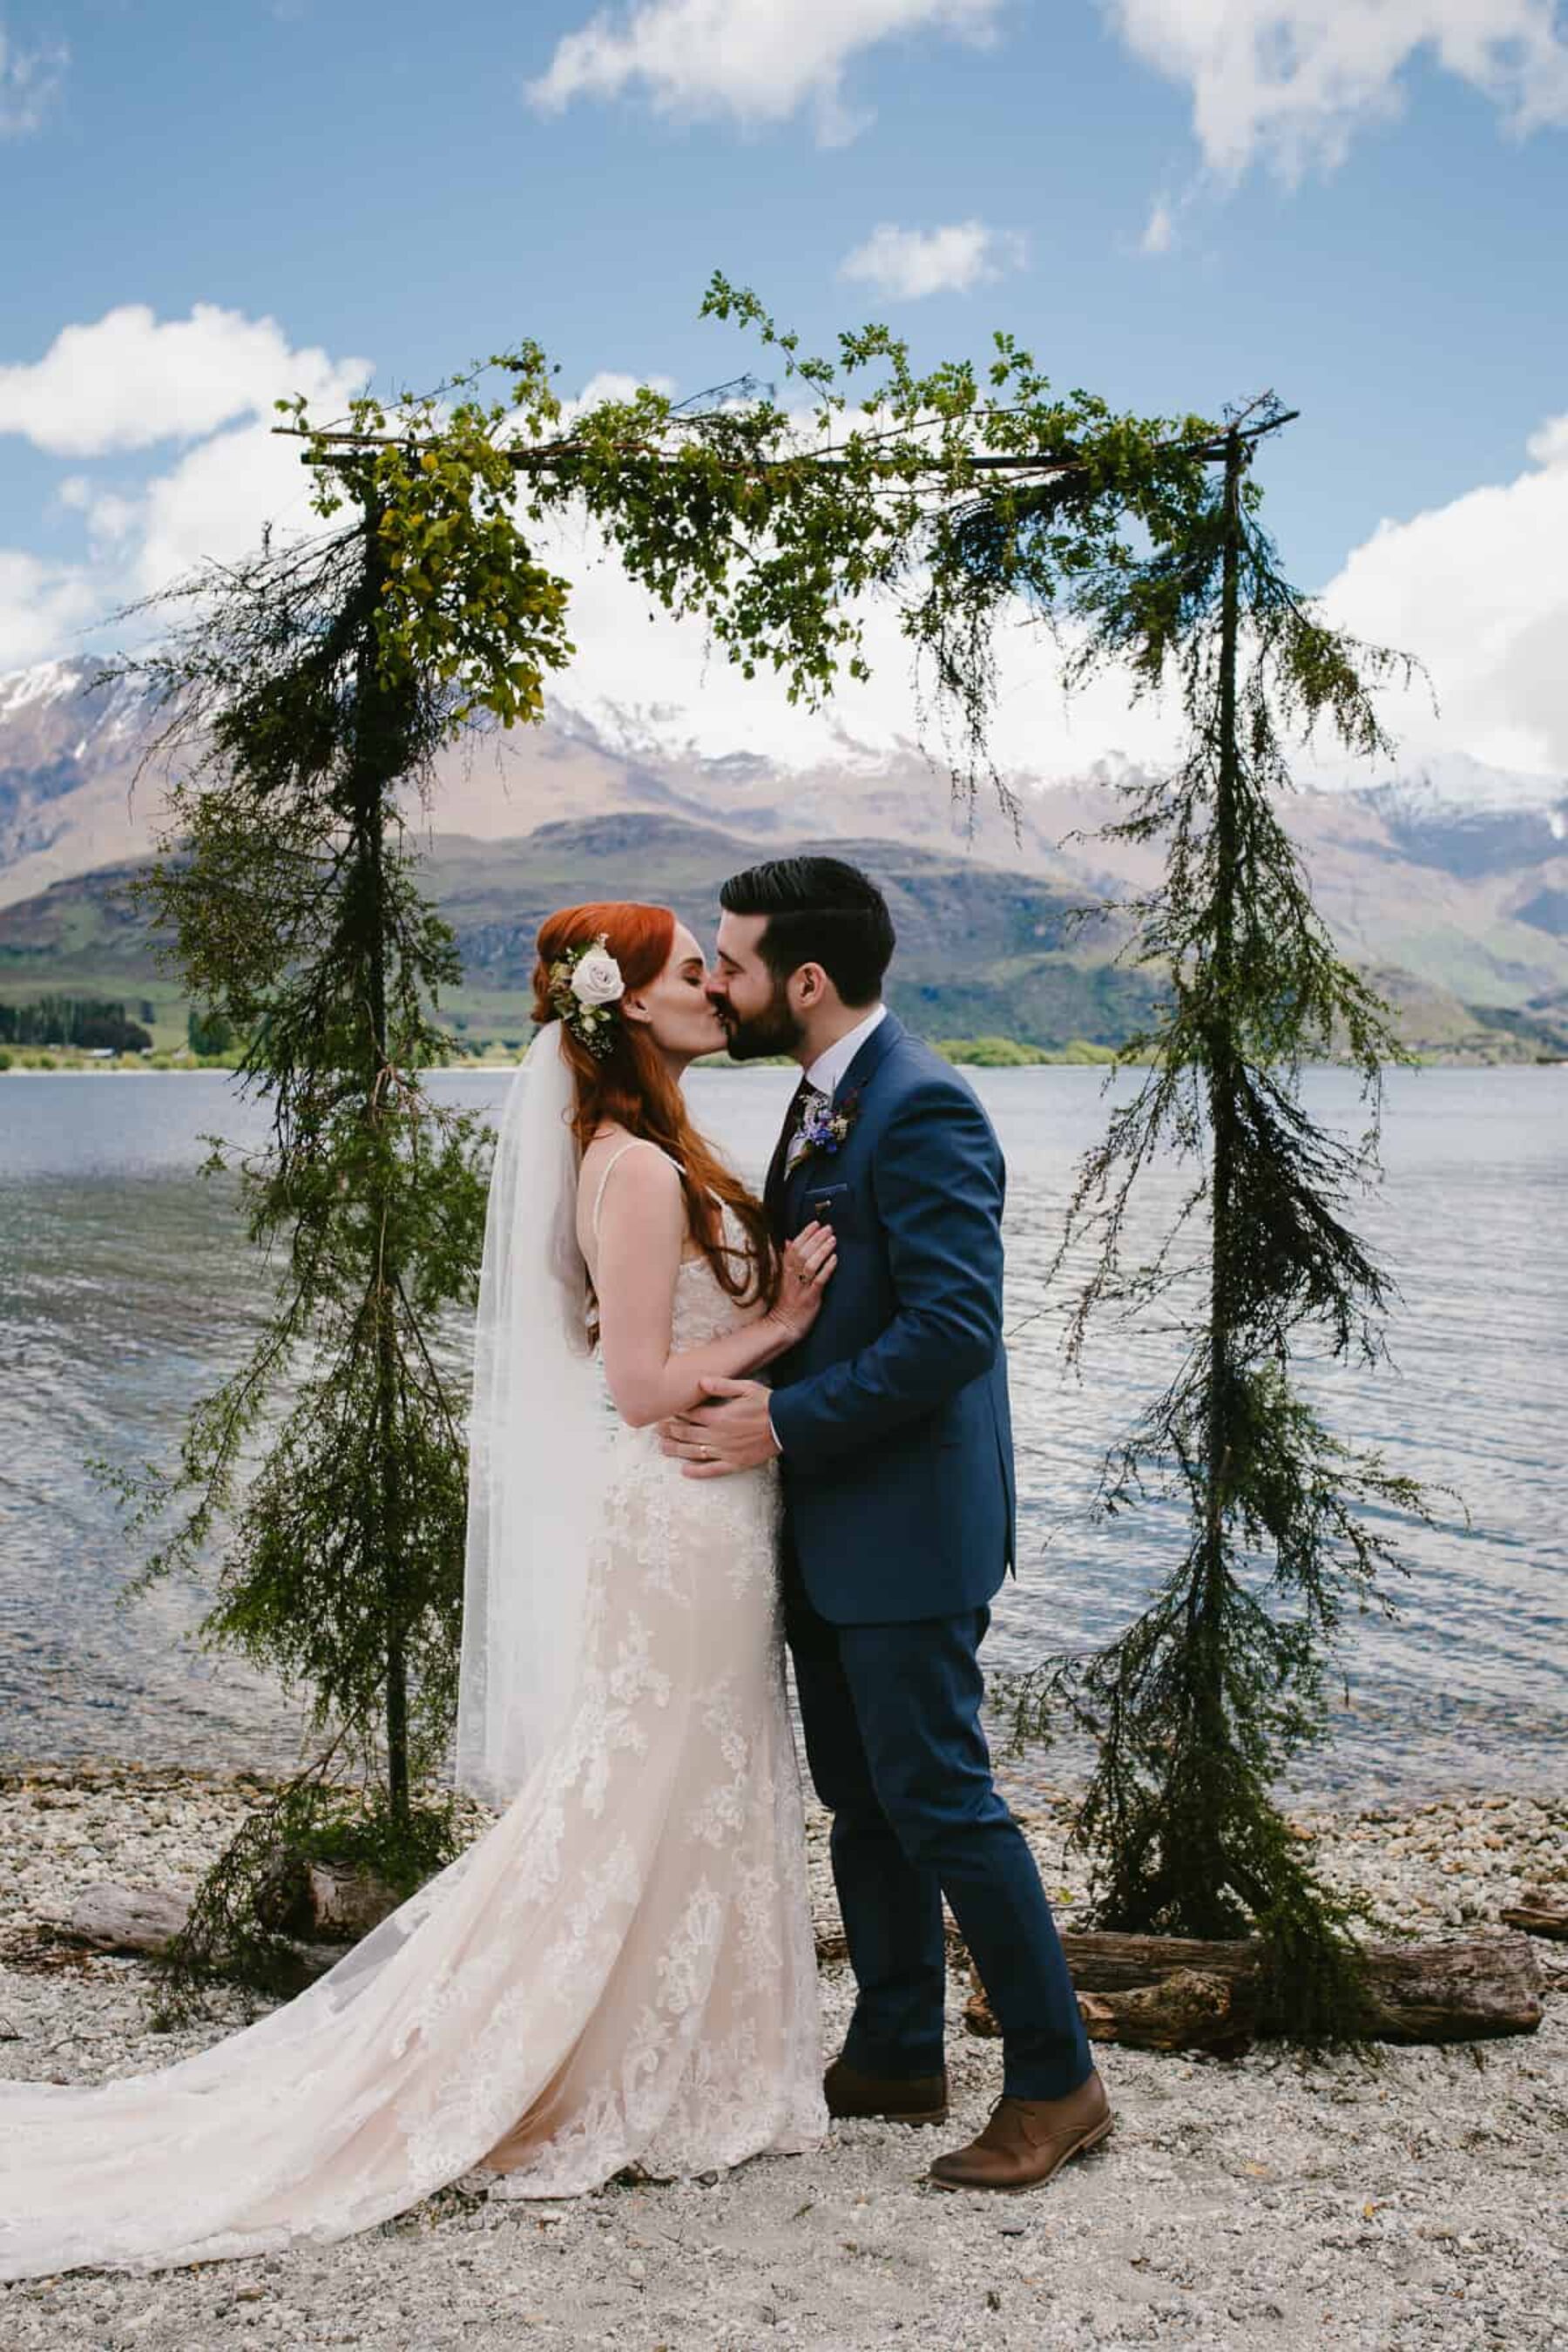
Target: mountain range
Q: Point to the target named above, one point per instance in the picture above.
(1448, 884)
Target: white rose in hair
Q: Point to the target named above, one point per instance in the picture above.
(597, 979)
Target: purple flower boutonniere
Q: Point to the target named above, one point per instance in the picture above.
(824, 1129)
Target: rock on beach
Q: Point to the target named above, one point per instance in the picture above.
(1418, 2200)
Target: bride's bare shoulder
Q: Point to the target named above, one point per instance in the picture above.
(648, 1171)
(606, 1144)
(597, 1156)
(602, 1142)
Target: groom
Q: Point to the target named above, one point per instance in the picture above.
(891, 1418)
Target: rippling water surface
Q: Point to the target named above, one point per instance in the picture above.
(126, 1288)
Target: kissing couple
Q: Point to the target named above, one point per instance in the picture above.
(621, 1971)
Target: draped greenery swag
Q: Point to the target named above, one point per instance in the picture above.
(305, 690)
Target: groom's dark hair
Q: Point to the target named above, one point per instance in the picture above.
(818, 910)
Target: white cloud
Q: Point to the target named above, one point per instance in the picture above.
(214, 506)
(43, 608)
(612, 383)
(903, 264)
(1292, 81)
(1548, 446)
(122, 385)
(1478, 590)
(648, 679)
(30, 81)
(214, 502)
(757, 61)
(211, 504)
(1159, 231)
(128, 380)
(111, 517)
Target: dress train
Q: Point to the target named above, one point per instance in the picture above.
(620, 1971)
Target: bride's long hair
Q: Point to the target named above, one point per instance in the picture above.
(631, 1086)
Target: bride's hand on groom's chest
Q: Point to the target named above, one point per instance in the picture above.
(827, 1201)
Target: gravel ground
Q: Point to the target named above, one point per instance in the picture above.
(1253, 2202)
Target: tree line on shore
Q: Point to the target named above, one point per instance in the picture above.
(108, 1031)
(90, 1023)
(72, 1026)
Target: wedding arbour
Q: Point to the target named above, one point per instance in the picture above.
(307, 687)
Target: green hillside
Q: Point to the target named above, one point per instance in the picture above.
(982, 951)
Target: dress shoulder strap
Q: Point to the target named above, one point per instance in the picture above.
(632, 1143)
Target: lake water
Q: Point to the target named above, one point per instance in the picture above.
(126, 1289)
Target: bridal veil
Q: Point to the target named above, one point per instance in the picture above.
(536, 1436)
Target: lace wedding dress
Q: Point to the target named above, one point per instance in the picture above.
(621, 1971)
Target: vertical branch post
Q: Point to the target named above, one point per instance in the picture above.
(1208, 1588)
(378, 760)
(1220, 1679)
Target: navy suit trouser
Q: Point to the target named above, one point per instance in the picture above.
(891, 1718)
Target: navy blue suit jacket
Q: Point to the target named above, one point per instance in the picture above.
(892, 1412)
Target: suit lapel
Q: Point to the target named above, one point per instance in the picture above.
(857, 1079)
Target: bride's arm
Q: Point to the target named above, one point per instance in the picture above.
(642, 1233)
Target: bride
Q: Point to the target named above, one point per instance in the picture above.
(621, 1971)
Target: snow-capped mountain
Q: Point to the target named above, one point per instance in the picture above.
(1452, 780)
(1451, 871)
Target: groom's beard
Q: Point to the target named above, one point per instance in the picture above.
(774, 1030)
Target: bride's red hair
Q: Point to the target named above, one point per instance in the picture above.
(631, 1086)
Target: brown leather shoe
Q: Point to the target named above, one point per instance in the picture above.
(1026, 2140)
(907, 2099)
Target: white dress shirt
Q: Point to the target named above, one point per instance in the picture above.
(828, 1068)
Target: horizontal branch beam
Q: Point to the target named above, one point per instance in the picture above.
(560, 454)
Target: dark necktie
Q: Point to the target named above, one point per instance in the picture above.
(774, 1190)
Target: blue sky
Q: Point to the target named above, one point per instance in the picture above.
(1171, 201)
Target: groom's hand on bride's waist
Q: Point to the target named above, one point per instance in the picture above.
(733, 1431)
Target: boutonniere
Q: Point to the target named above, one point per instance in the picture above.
(824, 1129)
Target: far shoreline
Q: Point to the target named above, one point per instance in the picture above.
(138, 1069)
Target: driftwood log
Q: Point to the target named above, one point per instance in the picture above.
(346, 1901)
(326, 1904)
(338, 1902)
(1539, 1914)
(126, 1918)
(1152, 1992)
(1190, 2009)
(1185, 2011)
(1173, 1993)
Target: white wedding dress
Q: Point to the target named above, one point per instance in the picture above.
(621, 1971)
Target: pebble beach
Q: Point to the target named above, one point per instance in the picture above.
(1419, 2199)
